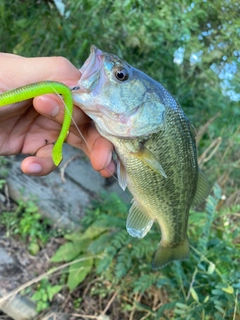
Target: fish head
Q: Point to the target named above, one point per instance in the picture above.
(121, 100)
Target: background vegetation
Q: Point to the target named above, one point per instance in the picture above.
(193, 48)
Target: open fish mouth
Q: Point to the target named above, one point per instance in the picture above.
(92, 75)
(90, 71)
(98, 77)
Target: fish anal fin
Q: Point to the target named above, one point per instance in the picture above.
(203, 188)
(166, 253)
(150, 160)
(138, 222)
(122, 175)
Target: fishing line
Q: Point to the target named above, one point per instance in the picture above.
(202, 256)
(79, 131)
(74, 122)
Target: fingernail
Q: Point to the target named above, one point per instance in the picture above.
(111, 167)
(55, 111)
(34, 168)
(109, 159)
(49, 105)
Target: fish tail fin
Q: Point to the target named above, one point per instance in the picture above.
(166, 253)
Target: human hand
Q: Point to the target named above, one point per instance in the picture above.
(32, 126)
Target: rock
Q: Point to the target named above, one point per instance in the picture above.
(18, 307)
(62, 202)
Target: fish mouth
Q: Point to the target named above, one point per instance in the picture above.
(90, 71)
(90, 84)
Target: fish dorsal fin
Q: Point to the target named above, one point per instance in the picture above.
(122, 175)
(150, 160)
(203, 188)
(138, 222)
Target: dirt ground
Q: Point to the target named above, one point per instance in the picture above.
(20, 267)
(24, 267)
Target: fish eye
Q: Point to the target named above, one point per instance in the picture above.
(121, 74)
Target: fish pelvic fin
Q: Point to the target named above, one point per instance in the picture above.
(166, 253)
(138, 222)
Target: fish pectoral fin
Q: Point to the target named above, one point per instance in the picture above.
(166, 253)
(138, 222)
(203, 188)
(122, 175)
(150, 160)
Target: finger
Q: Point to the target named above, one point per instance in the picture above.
(41, 164)
(28, 70)
(99, 152)
(109, 170)
(84, 137)
(96, 147)
(101, 156)
(52, 106)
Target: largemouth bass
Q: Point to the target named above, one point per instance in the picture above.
(155, 145)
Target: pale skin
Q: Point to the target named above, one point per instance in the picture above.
(31, 127)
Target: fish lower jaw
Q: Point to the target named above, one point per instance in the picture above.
(108, 124)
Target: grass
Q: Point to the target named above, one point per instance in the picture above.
(103, 263)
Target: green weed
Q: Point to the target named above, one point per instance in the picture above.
(44, 294)
(204, 287)
(26, 223)
(4, 163)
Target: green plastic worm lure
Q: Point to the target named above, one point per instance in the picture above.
(40, 88)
